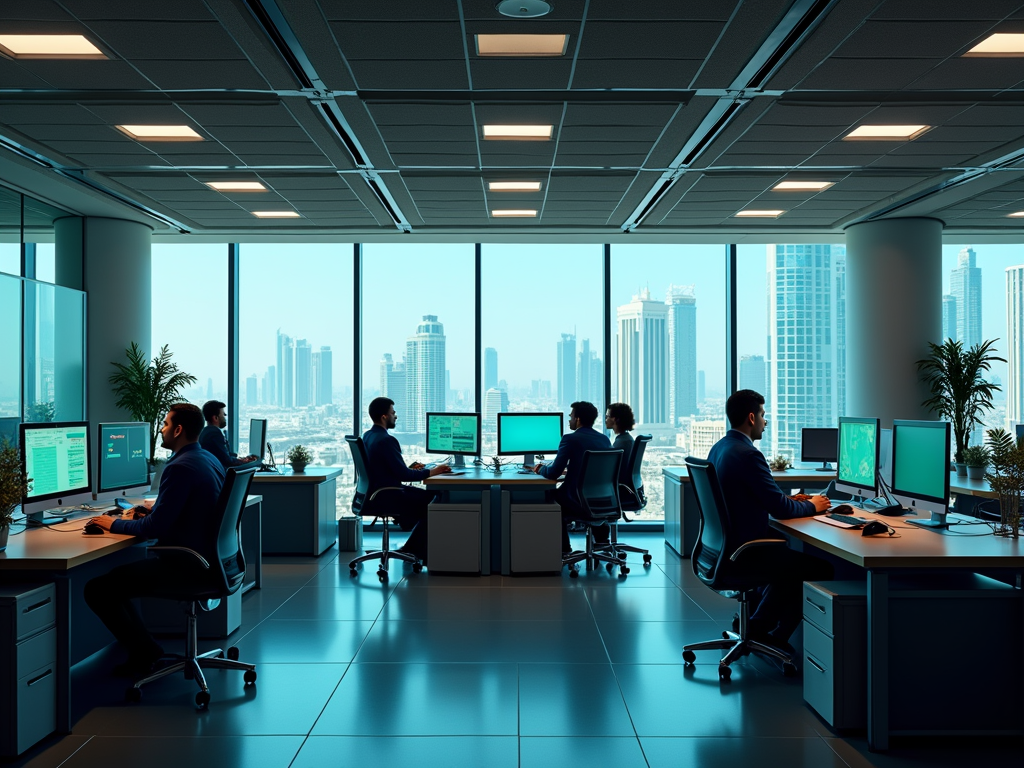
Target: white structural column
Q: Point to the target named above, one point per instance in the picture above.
(893, 309)
(109, 259)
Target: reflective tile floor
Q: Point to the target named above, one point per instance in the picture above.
(450, 672)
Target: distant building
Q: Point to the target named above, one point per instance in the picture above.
(495, 402)
(965, 285)
(285, 371)
(949, 316)
(270, 386)
(392, 386)
(643, 358)
(566, 362)
(703, 435)
(252, 395)
(752, 373)
(682, 351)
(490, 368)
(323, 363)
(425, 388)
(303, 373)
(540, 388)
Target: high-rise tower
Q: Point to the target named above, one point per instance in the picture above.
(965, 285)
(424, 370)
(643, 358)
(682, 351)
(567, 370)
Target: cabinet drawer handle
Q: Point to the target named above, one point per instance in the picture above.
(37, 606)
(815, 664)
(815, 605)
(35, 680)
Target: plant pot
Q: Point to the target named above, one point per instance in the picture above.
(1009, 515)
(961, 469)
(976, 473)
(5, 529)
(298, 467)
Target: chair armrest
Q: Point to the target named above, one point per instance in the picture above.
(756, 543)
(379, 491)
(202, 560)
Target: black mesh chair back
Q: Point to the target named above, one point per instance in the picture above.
(599, 485)
(635, 499)
(230, 557)
(361, 463)
(712, 547)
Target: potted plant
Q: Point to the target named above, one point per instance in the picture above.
(299, 456)
(147, 390)
(977, 458)
(1007, 479)
(13, 486)
(958, 391)
(779, 463)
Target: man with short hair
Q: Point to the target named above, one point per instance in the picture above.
(569, 459)
(213, 439)
(388, 469)
(751, 496)
(190, 487)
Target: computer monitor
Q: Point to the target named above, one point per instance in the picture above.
(529, 434)
(885, 456)
(9, 430)
(858, 455)
(819, 444)
(457, 434)
(258, 438)
(56, 456)
(122, 459)
(920, 468)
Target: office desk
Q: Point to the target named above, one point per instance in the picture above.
(502, 490)
(682, 521)
(916, 550)
(299, 510)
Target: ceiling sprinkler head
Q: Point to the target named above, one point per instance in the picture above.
(524, 9)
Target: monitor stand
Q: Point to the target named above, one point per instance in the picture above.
(825, 467)
(459, 461)
(938, 520)
(529, 459)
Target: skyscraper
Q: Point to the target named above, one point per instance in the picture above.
(583, 371)
(270, 386)
(424, 371)
(682, 351)
(752, 373)
(800, 361)
(643, 358)
(324, 377)
(567, 370)
(303, 373)
(495, 402)
(392, 385)
(285, 371)
(948, 317)
(965, 285)
(1014, 346)
(252, 395)
(490, 368)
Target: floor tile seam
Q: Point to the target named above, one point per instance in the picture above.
(303, 744)
(265, 618)
(327, 703)
(828, 743)
(77, 750)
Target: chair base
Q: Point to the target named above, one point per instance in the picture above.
(384, 554)
(613, 547)
(594, 555)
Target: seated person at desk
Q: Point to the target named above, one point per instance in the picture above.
(619, 419)
(189, 489)
(388, 470)
(213, 439)
(751, 495)
(582, 438)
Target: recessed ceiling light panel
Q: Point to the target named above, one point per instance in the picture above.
(802, 186)
(49, 47)
(160, 132)
(754, 213)
(521, 45)
(518, 132)
(514, 213)
(236, 186)
(1016, 215)
(886, 132)
(276, 214)
(998, 45)
(513, 186)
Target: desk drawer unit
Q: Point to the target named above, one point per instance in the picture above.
(454, 538)
(28, 671)
(835, 652)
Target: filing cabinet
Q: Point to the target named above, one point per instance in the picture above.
(835, 652)
(28, 666)
(535, 538)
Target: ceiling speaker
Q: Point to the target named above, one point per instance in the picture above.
(524, 9)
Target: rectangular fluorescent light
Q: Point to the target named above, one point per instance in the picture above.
(49, 47)
(1017, 215)
(761, 214)
(521, 45)
(802, 186)
(886, 132)
(236, 186)
(513, 213)
(160, 132)
(999, 44)
(513, 186)
(518, 132)
(276, 214)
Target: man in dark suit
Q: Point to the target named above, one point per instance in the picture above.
(569, 459)
(751, 496)
(388, 469)
(213, 439)
(189, 490)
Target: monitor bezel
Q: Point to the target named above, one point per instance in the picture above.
(804, 457)
(542, 451)
(479, 435)
(125, 490)
(32, 504)
(933, 504)
(263, 443)
(847, 486)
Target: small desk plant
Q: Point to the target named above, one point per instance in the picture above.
(299, 456)
(977, 458)
(14, 484)
(1007, 479)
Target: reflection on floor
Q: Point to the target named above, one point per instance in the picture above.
(449, 672)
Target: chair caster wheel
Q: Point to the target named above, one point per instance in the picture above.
(417, 567)
(249, 676)
(203, 699)
(573, 573)
(647, 559)
(382, 575)
(353, 565)
(689, 657)
(353, 572)
(233, 653)
(724, 673)
(608, 567)
(133, 694)
(788, 669)
(623, 571)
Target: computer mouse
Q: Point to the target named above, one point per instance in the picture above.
(92, 529)
(874, 528)
(842, 509)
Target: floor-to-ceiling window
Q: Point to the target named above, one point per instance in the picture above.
(10, 232)
(10, 346)
(54, 353)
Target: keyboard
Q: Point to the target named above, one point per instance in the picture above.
(848, 519)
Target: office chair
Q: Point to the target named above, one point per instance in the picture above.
(226, 570)
(714, 562)
(599, 505)
(365, 504)
(632, 499)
